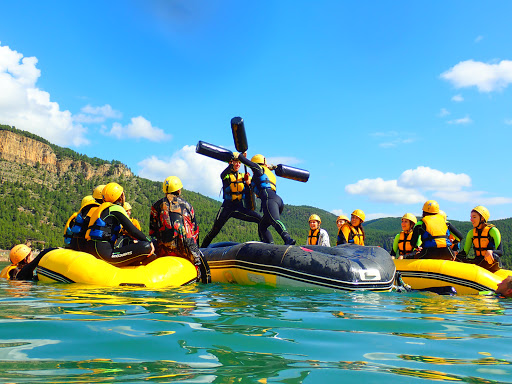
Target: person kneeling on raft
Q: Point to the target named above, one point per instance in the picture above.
(104, 229)
(172, 223)
(434, 234)
(264, 186)
(317, 235)
(485, 239)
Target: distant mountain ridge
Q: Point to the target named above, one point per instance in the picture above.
(42, 185)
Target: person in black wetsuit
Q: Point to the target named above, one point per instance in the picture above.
(264, 185)
(234, 189)
(105, 226)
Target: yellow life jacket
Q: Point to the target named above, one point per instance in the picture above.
(436, 232)
(356, 235)
(267, 180)
(5, 272)
(96, 224)
(481, 239)
(404, 243)
(136, 223)
(68, 234)
(313, 236)
(234, 191)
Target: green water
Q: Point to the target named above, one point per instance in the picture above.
(53, 333)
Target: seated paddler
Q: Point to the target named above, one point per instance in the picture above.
(105, 225)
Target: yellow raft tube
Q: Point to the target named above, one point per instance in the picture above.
(68, 266)
(467, 279)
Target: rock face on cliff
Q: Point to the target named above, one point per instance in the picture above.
(24, 150)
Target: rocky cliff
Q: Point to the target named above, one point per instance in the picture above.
(25, 150)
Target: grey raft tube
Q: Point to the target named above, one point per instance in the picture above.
(225, 155)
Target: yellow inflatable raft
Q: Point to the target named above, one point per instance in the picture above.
(467, 279)
(68, 266)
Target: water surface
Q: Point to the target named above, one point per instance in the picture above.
(227, 333)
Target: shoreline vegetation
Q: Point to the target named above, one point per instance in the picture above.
(36, 203)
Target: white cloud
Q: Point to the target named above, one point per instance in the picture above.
(473, 197)
(464, 120)
(432, 179)
(486, 77)
(92, 114)
(385, 191)
(444, 112)
(479, 39)
(457, 98)
(508, 121)
(339, 212)
(197, 172)
(138, 128)
(394, 139)
(27, 107)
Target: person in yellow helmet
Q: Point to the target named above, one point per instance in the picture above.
(235, 186)
(77, 225)
(105, 224)
(485, 239)
(172, 224)
(434, 234)
(125, 238)
(353, 232)
(20, 255)
(341, 220)
(402, 243)
(317, 235)
(264, 186)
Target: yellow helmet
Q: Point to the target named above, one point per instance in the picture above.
(258, 159)
(98, 192)
(315, 217)
(235, 156)
(411, 217)
(431, 206)
(359, 213)
(18, 253)
(172, 184)
(342, 217)
(443, 213)
(484, 212)
(127, 206)
(89, 199)
(112, 192)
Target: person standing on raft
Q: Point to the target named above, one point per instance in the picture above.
(434, 234)
(172, 224)
(485, 239)
(105, 224)
(352, 232)
(235, 185)
(264, 186)
(317, 235)
(402, 244)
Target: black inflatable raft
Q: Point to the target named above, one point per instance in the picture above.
(345, 267)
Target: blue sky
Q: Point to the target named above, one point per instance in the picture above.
(386, 103)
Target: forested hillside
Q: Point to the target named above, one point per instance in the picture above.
(36, 203)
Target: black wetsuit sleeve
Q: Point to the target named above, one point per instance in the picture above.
(27, 272)
(256, 168)
(225, 172)
(416, 233)
(128, 226)
(454, 231)
(499, 250)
